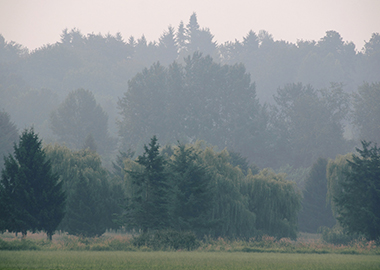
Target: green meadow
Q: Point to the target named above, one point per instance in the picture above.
(117, 251)
(181, 260)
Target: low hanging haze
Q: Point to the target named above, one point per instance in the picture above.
(34, 23)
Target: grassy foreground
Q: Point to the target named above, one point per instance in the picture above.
(181, 260)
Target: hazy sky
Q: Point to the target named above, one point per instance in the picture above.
(34, 23)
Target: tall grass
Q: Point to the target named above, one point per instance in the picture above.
(126, 242)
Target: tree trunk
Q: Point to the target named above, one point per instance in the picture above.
(49, 236)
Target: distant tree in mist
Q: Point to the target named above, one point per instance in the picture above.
(316, 210)
(8, 136)
(79, 116)
(167, 47)
(309, 123)
(196, 101)
(366, 113)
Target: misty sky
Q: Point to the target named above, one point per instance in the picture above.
(34, 23)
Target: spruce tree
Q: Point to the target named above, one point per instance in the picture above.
(33, 194)
(358, 203)
(193, 191)
(148, 205)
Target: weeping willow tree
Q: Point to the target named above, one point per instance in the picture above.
(230, 212)
(92, 197)
(336, 175)
(241, 204)
(275, 202)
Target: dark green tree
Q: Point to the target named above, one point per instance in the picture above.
(34, 193)
(193, 191)
(316, 211)
(86, 212)
(148, 205)
(358, 203)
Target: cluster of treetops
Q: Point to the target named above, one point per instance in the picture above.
(199, 99)
(187, 187)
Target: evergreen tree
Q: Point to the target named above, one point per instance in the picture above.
(167, 46)
(33, 193)
(193, 191)
(358, 203)
(148, 207)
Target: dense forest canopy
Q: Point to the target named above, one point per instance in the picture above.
(104, 64)
(261, 103)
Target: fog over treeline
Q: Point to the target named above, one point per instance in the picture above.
(269, 103)
(34, 83)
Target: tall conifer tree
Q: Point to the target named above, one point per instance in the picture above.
(148, 206)
(33, 194)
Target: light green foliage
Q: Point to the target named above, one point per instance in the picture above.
(230, 210)
(335, 172)
(92, 198)
(213, 197)
(275, 202)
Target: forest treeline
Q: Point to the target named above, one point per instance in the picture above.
(39, 80)
(262, 108)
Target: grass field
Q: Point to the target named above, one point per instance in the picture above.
(181, 260)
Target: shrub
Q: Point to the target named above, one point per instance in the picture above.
(167, 239)
(18, 245)
(337, 236)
